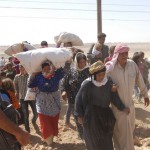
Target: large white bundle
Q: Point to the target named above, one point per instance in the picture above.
(18, 47)
(32, 60)
(66, 37)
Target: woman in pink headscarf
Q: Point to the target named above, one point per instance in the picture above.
(125, 74)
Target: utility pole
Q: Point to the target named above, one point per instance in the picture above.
(99, 17)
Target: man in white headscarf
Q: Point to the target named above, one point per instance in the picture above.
(125, 74)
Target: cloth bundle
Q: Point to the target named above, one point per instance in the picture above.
(33, 59)
(66, 37)
(18, 47)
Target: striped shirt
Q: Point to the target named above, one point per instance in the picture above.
(20, 82)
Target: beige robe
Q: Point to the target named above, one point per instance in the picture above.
(125, 79)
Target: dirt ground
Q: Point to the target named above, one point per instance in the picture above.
(68, 138)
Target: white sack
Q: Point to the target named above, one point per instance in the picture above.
(32, 60)
(30, 95)
(65, 37)
(18, 47)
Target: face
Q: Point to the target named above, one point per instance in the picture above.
(69, 44)
(22, 70)
(122, 58)
(101, 40)
(100, 76)
(142, 56)
(46, 69)
(0, 82)
(44, 46)
(9, 67)
(82, 63)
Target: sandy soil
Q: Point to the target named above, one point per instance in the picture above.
(69, 140)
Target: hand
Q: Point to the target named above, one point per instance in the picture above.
(80, 120)
(127, 110)
(64, 95)
(34, 73)
(98, 56)
(146, 101)
(114, 88)
(17, 95)
(23, 137)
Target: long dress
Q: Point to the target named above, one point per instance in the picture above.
(92, 103)
(71, 83)
(48, 101)
(125, 79)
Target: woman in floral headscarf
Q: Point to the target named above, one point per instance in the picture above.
(71, 84)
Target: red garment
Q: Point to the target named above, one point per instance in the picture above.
(109, 58)
(48, 125)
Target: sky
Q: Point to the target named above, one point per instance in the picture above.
(37, 20)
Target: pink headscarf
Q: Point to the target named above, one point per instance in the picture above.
(120, 48)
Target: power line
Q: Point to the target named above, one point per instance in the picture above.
(50, 2)
(126, 11)
(140, 5)
(47, 8)
(46, 18)
(26, 17)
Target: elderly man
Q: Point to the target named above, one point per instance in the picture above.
(125, 74)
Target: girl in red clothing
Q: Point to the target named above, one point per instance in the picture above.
(111, 52)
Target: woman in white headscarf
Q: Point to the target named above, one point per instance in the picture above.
(71, 83)
(93, 111)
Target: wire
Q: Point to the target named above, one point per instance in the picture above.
(47, 8)
(49, 2)
(70, 18)
(75, 3)
(147, 11)
(46, 18)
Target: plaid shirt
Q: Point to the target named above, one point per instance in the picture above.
(20, 82)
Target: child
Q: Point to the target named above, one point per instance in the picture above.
(111, 52)
(97, 50)
(8, 86)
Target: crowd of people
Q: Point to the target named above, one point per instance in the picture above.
(98, 87)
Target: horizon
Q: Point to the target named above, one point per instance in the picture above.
(35, 21)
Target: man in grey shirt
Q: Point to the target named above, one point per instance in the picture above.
(104, 51)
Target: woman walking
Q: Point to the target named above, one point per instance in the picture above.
(71, 84)
(47, 99)
(93, 111)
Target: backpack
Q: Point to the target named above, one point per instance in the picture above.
(7, 140)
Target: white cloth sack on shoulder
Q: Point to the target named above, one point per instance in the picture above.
(30, 95)
(32, 60)
(18, 47)
(66, 37)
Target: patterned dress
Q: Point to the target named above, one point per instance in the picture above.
(48, 96)
(48, 101)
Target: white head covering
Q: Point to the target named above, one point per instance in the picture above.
(95, 52)
(120, 48)
(76, 63)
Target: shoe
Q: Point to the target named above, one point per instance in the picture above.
(49, 140)
(34, 119)
(27, 129)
